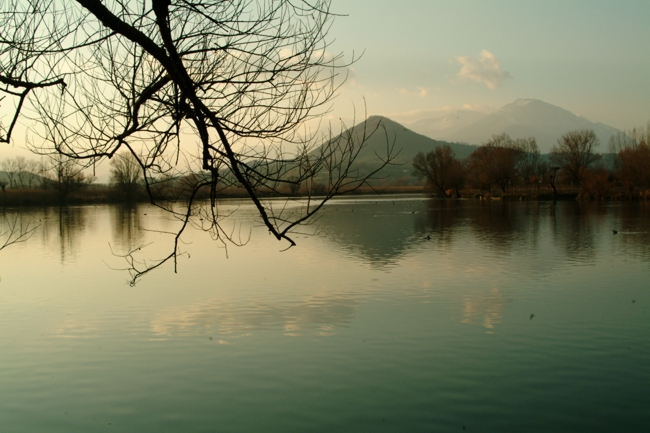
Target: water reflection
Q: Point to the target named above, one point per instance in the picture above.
(60, 229)
(439, 221)
(320, 313)
(126, 226)
(484, 308)
(76, 328)
(73, 349)
(577, 229)
(505, 226)
(383, 233)
(633, 237)
(378, 231)
(501, 225)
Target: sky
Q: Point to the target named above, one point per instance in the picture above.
(422, 57)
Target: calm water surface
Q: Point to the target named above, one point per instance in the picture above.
(512, 317)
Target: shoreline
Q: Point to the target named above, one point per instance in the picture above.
(105, 195)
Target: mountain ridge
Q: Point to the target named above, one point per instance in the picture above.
(407, 144)
(522, 118)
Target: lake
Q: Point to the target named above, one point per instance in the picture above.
(392, 314)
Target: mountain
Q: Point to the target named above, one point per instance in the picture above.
(520, 119)
(406, 145)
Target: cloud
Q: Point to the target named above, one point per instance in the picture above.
(483, 108)
(485, 69)
(422, 92)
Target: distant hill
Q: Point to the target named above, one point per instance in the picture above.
(520, 119)
(407, 144)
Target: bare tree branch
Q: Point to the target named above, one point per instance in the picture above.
(15, 231)
(204, 96)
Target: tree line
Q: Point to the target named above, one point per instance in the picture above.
(66, 176)
(503, 164)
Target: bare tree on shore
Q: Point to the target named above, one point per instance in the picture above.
(575, 153)
(632, 158)
(441, 170)
(495, 162)
(215, 88)
(64, 175)
(125, 174)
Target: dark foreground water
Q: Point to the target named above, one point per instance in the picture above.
(512, 317)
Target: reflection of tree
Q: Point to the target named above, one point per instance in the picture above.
(126, 225)
(633, 239)
(440, 220)
(377, 231)
(485, 309)
(575, 227)
(501, 225)
(381, 231)
(70, 224)
(504, 226)
(320, 313)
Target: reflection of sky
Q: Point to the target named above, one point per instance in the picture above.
(483, 308)
(321, 314)
(436, 324)
(319, 285)
(379, 231)
(478, 245)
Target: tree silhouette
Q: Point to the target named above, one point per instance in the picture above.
(495, 162)
(441, 170)
(575, 153)
(632, 162)
(214, 88)
(64, 175)
(125, 174)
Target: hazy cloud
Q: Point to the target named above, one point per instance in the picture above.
(482, 108)
(485, 69)
(420, 91)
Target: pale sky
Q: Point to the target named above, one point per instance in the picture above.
(589, 57)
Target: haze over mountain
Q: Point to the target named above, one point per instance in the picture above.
(520, 119)
(445, 126)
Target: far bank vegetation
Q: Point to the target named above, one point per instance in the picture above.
(504, 167)
(501, 168)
